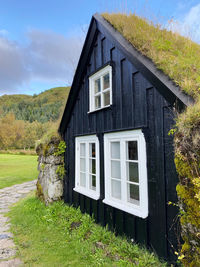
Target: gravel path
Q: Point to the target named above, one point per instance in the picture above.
(9, 196)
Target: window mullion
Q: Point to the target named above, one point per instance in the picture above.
(106, 90)
(123, 171)
(97, 167)
(109, 169)
(139, 171)
(91, 92)
(110, 74)
(87, 164)
(102, 100)
(78, 164)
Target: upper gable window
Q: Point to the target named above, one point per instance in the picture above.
(100, 89)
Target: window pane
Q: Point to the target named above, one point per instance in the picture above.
(82, 179)
(116, 189)
(97, 101)
(93, 182)
(106, 97)
(92, 150)
(133, 193)
(82, 165)
(132, 172)
(97, 86)
(132, 150)
(115, 150)
(115, 169)
(106, 81)
(82, 150)
(93, 166)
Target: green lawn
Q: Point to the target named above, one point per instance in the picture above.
(60, 235)
(16, 169)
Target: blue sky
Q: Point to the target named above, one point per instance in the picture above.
(41, 40)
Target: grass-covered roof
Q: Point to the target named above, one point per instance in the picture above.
(177, 56)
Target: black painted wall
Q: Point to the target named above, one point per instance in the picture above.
(136, 104)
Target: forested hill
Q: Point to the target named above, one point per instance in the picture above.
(43, 107)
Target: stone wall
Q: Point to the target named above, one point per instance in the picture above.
(49, 183)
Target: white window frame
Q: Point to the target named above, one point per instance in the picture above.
(140, 210)
(99, 75)
(95, 194)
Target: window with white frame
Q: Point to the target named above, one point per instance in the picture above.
(87, 166)
(100, 89)
(126, 172)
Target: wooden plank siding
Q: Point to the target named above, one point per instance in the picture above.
(136, 104)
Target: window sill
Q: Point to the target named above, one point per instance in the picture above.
(134, 210)
(106, 107)
(90, 194)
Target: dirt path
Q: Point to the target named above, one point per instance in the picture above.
(9, 196)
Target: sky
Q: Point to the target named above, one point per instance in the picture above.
(41, 40)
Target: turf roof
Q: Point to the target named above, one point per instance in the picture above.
(177, 56)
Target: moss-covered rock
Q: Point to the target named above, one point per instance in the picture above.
(51, 170)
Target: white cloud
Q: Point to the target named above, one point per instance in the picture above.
(47, 57)
(52, 56)
(189, 25)
(192, 22)
(13, 71)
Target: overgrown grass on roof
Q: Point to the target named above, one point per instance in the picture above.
(175, 55)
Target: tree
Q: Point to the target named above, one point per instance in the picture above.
(8, 134)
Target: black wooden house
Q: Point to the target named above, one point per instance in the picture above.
(119, 157)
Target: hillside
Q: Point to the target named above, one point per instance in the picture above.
(43, 107)
(25, 119)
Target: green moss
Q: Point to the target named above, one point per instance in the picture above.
(187, 158)
(60, 152)
(39, 191)
(42, 166)
(45, 149)
(61, 171)
(60, 149)
(182, 167)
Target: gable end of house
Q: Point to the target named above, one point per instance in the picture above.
(166, 87)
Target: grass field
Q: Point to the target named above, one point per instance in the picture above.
(60, 235)
(16, 169)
